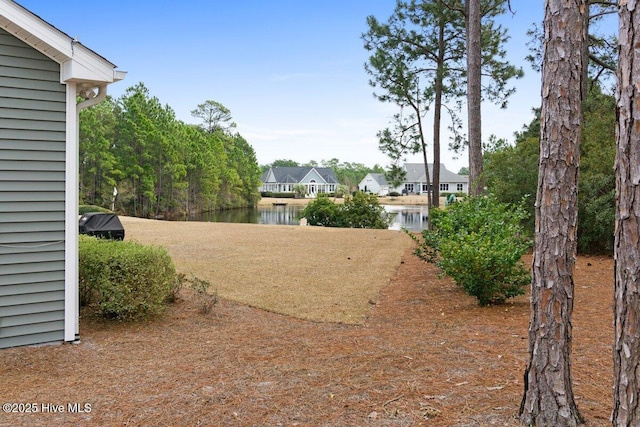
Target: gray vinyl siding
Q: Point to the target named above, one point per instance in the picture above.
(32, 196)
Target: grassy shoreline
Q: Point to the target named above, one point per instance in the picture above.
(385, 200)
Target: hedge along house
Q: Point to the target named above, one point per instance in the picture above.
(42, 74)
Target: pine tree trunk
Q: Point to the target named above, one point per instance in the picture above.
(437, 114)
(474, 76)
(626, 349)
(548, 398)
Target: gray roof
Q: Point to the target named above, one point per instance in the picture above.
(289, 175)
(415, 173)
(379, 178)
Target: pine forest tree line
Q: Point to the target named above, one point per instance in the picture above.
(159, 165)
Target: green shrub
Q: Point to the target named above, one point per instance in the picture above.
(125, 280)
(358, 211)
(277, 195)
(364, 211)
(207, 298)
(299, 191)
(479, 243)
(341, 191)
(322, 211)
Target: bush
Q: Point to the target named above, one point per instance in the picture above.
(322, 211)
(364, 211)
(341, 191)
(207, 298)
(124, 280)
(277, 195)
(299, 191)
(479, 243)
(358, 211)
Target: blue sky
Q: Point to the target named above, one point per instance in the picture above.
(290, 71)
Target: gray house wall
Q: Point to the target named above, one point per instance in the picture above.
(32, 195)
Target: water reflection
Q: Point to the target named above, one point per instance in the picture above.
(412, 217)
(241, 215)
(285, 215)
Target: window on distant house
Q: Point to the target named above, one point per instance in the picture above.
(444, 187)
(408, 188)
(460, 187)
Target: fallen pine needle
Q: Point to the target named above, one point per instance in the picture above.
(392, 400)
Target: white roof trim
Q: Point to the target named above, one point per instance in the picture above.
(318, 175)
(78, 63)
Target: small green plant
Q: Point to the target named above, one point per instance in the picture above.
(479, 243)
(364, 211)
(125, 280)
(299, 191)
(322, 211)
(176, 287)
(341, 191)
(208, 299)
(358, 211)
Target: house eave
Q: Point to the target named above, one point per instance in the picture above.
(24, 25)
(78, 64)
(76, 72)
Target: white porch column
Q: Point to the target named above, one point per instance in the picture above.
(71, 304)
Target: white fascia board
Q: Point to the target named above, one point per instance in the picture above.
(85, 65)
(82, 71)
(119, 75)
(34, 31)
(366, 178)
(78, 63)
(313, 173)
(270, 178)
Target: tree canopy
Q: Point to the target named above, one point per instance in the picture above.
(161, 166)
(214, 116)
(418, 62)
(511, 171)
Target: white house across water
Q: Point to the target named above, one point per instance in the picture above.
(283, 179)
(415, 181)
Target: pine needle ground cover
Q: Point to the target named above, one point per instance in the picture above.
(426, 355)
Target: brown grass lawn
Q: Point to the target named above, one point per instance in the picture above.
(305, 272)
(356, 332)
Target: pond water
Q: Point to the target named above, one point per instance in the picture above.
(412, 217)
